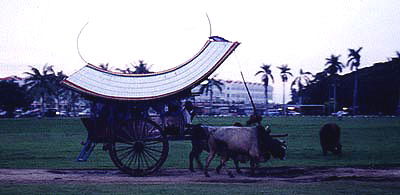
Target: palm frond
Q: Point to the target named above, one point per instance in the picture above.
(259, 72)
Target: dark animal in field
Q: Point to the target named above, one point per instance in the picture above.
(329, 136)
(254, 143)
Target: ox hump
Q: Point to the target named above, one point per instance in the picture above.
(237, 138)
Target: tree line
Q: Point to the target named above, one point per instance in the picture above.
(326, 87)
(380, 85)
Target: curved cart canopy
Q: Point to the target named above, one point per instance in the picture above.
(94, 81)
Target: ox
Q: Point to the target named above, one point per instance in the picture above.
(200, 137)
(200, 142)
(254, 143)
(329, 136)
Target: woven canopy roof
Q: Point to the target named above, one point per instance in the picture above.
(94, 81)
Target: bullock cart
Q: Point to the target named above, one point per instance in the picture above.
(129, 111)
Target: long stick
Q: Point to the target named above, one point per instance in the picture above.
(248, 92)
(209, 23)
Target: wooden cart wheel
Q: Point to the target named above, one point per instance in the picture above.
(139, 147)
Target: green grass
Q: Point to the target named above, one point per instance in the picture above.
(327, 188)
(54, 143)
(45, 143)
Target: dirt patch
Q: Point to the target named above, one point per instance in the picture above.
(180, 176)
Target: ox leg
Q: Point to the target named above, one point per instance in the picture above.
(192, 155)
(224, 157)
(222, 164)
(197, 149)
(199, 164)
(209, 159)
(324, 150)
(236, 162)
(195, 154)
(253, 166)
(218, 169)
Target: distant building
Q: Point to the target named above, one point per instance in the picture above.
(234, 94)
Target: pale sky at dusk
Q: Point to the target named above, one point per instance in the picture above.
(167, 33)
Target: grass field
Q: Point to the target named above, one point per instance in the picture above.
(326, 188)
(54, 143)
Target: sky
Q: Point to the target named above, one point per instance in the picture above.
(301, 34)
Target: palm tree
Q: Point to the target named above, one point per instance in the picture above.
(301, 81)
(72, 98)
(60, 90)
(354, 58)
(104, 66)
(125, 71)
(284, 75)
(266, 75)
(334, 66)
(354, 62)
(208, 87)
(142, 68)
(41, 85)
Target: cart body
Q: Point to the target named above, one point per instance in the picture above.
(128, 110)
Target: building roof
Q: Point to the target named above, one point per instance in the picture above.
(94, 81)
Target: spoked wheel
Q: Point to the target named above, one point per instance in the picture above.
(139, 147)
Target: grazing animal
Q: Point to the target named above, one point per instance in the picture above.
(329, 136)
(255, 143)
